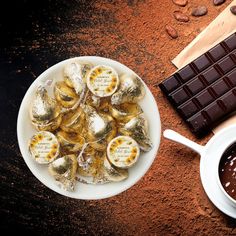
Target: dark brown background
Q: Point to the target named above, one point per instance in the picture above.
(169, 200)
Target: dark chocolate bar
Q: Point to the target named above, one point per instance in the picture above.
(204, 91)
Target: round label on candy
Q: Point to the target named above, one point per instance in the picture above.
(123, 151)
(44, 147)
(102, 81)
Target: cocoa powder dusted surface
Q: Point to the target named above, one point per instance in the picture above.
(169, 199)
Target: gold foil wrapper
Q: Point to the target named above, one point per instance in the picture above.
(101, 128)
(48, 126)
(70, 142)
(65, 95)
(110, 173)
(44, 109)
(73, 121)
(131, 90)
(137, 128)
(93, 162)
(93, 100)
(124, 112)
(64, 170)
(75, 75)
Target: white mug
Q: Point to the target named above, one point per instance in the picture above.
(213, 150)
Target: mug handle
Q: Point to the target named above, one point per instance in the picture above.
(174, 136)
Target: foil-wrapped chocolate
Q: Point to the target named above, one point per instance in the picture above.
(44, 108)
(73, 121)
(101, 128)
(65, 95)
(105, 105)
(101, 144)
(48, 125)
(131, 90)
(85, 123)
(137, 128)
(64, 171)
(90, 163)
(98, 124)
(102, 81)
(93, 100)
(75, 75)
(125, 111)
(123, 152)
(44, 147)
(70, 142)
(109, 173)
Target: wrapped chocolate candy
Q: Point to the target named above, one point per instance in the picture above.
(101, 128)
(137, 128)
(48, 125)
(91, 162)
(125, 111)
(75, 74)
(70, 142)
(111, 132)
(73, 121)
(123, 152)
(91, 107)
(44, 147)
(97, 126)
(65, 95)
(110, 173)
(105, 105)
(45, 112)
(93, 100)
(131, 90)
(102, 81)
(64, 171)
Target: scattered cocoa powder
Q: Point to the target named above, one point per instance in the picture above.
(169, 199)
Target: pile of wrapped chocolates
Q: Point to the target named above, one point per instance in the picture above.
(92, 126)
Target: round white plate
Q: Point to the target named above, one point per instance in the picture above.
(208, 165)
(85, 191)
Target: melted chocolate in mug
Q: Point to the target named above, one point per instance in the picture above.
(227, 170)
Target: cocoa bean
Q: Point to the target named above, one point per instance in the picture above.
(180, 16)
(233, 9)
(171, 31)
(218, 2)
(181, 3)
(199, 11)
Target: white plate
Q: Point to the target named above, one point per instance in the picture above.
(84, 191)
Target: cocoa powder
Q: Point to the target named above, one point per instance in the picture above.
(169, 199)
